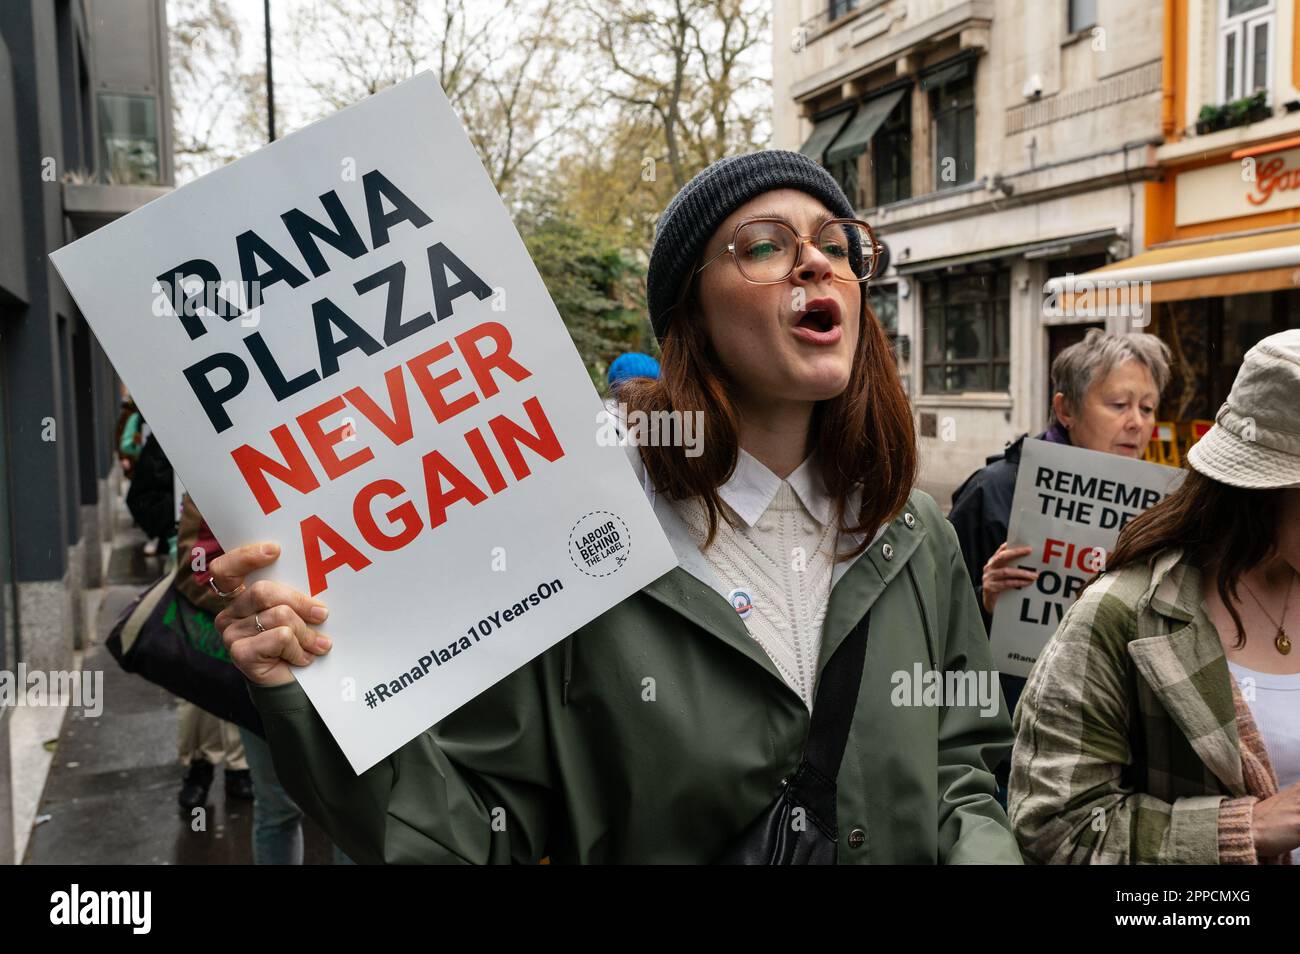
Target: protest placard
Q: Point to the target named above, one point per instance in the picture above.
(343, 345)
(1069, 505)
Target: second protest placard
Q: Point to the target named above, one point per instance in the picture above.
(1069, 506)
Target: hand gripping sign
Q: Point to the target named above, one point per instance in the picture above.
(1070, 505)
(343, 346)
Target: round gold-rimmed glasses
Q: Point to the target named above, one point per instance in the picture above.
(768, 250)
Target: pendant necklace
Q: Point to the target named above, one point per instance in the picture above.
(1282, 641)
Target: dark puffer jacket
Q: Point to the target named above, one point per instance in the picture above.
(152, 497)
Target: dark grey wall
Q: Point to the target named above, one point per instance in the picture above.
(75, 92)
(56, 56)
(13, 271)
(40, 481)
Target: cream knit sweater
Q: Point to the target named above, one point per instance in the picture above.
(784, 562)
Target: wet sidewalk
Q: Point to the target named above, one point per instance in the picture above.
(110, 797)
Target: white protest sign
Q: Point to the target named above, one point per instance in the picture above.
(1070, 505)
(343, 346)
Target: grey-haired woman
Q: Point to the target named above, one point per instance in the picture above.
(1105, 390)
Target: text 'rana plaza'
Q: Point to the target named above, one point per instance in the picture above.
(483, 351)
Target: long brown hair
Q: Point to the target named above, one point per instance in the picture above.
(1214, 524)
(862, 437)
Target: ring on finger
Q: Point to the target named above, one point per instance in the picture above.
(225, 596)
(258, 623)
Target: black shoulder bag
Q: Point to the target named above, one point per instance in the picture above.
(168, 640)
(780, 836)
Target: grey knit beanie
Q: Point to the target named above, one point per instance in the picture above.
(704, 203)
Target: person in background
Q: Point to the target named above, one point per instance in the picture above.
(626, 367)
(129, 438)
(204, 739)
(1160, 724)
(277, 820)
(151, 498)
(1105, 390)
(631, 364)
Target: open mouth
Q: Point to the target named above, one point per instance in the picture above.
(819, 322)
(820, 315)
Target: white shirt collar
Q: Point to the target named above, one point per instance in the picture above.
(690, 558)
(752, 487)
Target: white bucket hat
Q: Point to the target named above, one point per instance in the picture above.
(1255, 440)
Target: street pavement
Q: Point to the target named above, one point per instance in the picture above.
(111, 794)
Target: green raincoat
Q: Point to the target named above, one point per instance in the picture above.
(659, 730)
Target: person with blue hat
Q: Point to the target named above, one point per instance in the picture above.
(631, 364)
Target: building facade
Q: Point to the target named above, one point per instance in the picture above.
(85, 137)
(1222, 224)
(994, 145)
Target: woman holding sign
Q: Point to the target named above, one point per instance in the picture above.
(1105, 390)
(811, 683)
(1160, 723)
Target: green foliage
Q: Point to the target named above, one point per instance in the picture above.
(1239, 112)
(597, 288)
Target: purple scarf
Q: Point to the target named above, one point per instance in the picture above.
(1056, 434)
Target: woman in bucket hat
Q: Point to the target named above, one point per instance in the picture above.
(1162, 723)
(756, 289)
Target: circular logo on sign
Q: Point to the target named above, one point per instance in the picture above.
(599, 543)
(741, 602)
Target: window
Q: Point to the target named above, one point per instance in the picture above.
(884, 302)
(128, 138)
(860, 135)
(840, 7)
(1245, 47)
(845, 172)
(841, 163)
(966, 331)
(952, 106)
(892, 155)
(1075, 264)
(1061, 336)
(1082, 14)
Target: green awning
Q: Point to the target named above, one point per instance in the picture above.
(1053, 246)
(824, 134)
(857, 135)
(946, 73)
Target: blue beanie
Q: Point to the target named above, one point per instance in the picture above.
(633, 364)
(704, 203)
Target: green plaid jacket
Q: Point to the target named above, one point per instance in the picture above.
(1126, 736)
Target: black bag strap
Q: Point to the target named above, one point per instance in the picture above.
(837, 696)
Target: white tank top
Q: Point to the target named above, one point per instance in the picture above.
(1274, 701)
